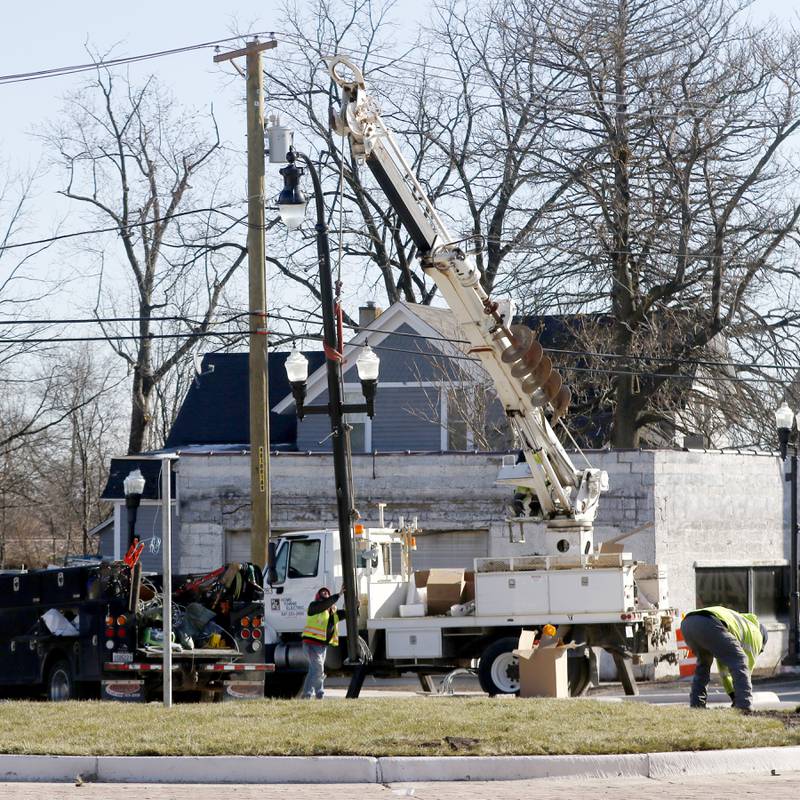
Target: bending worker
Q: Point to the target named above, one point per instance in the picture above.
(322, 629)
(735, 640)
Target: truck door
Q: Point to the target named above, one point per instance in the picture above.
(300, 574)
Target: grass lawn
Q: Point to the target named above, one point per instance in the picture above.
(378, 727)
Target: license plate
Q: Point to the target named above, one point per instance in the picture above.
(122, 658)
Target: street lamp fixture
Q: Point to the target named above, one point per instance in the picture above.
(291, 205)
(297, 372)
(367, 367)
(133, 485)
(786, 422)
(291, 201)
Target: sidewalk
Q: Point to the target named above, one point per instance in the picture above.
(780, 787)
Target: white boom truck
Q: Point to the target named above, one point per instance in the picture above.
(596, 599)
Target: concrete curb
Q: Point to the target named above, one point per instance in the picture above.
(408, 769)
(364, 769)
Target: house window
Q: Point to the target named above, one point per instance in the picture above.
(757, 590)
(456, 432)
(361, 432)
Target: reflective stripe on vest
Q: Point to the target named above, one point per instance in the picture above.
(317, 628)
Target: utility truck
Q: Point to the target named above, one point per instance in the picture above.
(91, 631)
(598, 598)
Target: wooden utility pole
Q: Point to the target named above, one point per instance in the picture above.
(259, 387)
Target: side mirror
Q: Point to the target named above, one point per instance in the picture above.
(271, 574)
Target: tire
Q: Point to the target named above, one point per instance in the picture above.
(579, 675)
(284, 685)
(61, 682)
(498, 670)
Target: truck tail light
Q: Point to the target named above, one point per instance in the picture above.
(109, 633)
(244, 622)
(121, 619)
(109, 620)
(121, 633)
(257, 622)
(257, 633)
(245, 633)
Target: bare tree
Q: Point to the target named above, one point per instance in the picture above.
(153, 173)
(681, 226)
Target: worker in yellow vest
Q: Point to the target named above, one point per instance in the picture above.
(735, 640)
(322, 629)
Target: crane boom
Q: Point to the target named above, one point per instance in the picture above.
(523, 376)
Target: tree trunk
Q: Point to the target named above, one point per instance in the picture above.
(141, 398)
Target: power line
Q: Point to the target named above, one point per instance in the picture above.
(55, 72)
(563, 351)
(130, 226)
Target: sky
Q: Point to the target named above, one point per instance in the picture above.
(49, 34)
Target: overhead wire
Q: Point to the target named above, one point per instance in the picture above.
(56, 72)
(129, 226)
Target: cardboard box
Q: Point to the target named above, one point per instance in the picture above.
(469, 586)
(542, 670)
(444, 589)
(421, 578)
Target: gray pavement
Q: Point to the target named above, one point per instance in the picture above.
(785, 786)
(781, 691)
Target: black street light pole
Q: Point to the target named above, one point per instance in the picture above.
(133, 486)
(788, 435)
(335, 408)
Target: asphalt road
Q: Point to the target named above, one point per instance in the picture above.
(778, 787)
(776, 692)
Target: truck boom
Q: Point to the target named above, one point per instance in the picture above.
(522, 374)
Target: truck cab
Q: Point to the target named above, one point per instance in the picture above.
(307, 561)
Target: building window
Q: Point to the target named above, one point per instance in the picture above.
(456, 432)
(361, 425)
(757, 590)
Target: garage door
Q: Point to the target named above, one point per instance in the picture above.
(455, 549)
(237, 546)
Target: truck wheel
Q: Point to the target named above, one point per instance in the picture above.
(579, 675)
(284, 686)
(60, 682)
(498, 670)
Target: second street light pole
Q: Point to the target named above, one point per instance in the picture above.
(259, 387)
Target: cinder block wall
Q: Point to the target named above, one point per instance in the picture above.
(708, 508)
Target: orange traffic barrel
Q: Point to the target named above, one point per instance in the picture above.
(687, 660)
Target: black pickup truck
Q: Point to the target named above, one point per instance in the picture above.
(93, 632)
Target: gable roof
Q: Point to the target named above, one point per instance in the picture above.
(436, 325)
(216, 409)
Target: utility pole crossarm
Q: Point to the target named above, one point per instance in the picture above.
(252, 47)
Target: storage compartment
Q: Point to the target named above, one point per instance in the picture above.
(20, 589)
(591, 590)
(64, 585)
(511, 593)
(414, 643)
